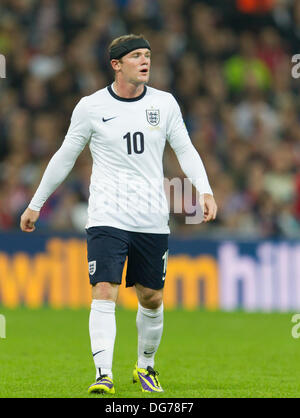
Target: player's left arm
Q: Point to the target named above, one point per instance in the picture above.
(193, 167)
(190, 161)
(209, 207)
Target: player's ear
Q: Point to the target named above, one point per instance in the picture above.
(115, 64)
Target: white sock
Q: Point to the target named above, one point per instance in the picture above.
(102, 326)
(149, 324)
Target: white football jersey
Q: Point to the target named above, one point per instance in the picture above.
(126, 139)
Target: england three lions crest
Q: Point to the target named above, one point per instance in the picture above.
(92, 267)
(153, 116)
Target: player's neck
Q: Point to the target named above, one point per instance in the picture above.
(127, 90)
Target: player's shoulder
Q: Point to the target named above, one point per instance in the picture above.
(95, 98)
(164, 98)
(165, 95)
(88, 104)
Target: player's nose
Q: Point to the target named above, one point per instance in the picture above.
(145, 60)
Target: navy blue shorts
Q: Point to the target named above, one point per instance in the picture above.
(147, 255)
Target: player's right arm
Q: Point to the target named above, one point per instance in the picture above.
(60, 165)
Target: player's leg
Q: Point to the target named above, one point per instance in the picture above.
(146, 270)
(149, 322)
(107, 250)
(102, 328)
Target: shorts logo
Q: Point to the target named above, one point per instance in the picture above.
(92, 267)
(153, 116)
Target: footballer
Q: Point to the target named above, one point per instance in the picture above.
(126, 126)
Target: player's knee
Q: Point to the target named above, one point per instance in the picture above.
(105, 291)
(151, 299)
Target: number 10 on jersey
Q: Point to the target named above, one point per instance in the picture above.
(135, 142)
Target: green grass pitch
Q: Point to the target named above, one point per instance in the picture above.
(46, 353)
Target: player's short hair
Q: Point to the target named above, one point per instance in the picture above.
(125, 40)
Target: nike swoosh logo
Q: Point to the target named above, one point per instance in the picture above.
(146, 353)
(97, 352)
(106, 120)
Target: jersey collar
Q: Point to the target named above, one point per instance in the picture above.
(123, 99)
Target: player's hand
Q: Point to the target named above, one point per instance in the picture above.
(209, 207)
(28, 219)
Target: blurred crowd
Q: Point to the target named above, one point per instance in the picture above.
(228, 63)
